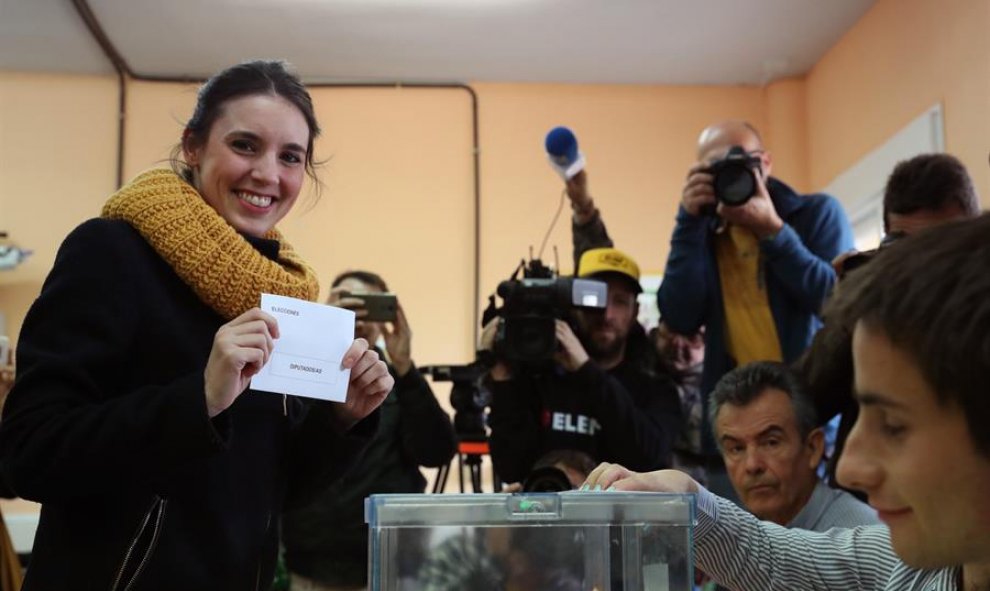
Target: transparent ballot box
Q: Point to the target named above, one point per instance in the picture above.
(569, 541)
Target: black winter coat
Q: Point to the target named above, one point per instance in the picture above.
(107, 428)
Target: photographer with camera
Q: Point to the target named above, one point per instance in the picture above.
(602, 395)
(750, 259)
(326, 542)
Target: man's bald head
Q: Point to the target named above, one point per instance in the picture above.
(716, 139)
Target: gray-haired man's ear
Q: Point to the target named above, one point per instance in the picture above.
(815, 445)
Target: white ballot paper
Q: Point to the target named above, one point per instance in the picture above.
(306, 359)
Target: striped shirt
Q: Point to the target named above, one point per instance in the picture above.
(741, 552)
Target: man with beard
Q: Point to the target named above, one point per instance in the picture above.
(603, 395)
(681, 356)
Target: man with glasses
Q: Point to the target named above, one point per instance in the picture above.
(755, 274)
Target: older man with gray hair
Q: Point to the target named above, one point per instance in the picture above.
(766, 430)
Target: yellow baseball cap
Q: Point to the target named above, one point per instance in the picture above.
(609, 260)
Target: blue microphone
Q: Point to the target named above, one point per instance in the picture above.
(562, 150)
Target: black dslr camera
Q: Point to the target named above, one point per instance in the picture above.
(861, 258)
(527, 335)
(734, 179)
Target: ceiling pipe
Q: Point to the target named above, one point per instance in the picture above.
(125, 73)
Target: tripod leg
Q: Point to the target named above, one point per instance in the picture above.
(440, 482)
(496, 482)
(476, 476)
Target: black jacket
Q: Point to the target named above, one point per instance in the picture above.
(107, 428)
(626, 415)
(327, 540)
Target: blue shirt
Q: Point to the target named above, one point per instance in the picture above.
(830, 507)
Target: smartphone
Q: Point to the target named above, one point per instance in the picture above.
(381, 307)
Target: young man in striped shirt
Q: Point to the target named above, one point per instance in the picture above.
(920, 448)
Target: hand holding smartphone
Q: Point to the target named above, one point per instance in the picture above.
(378, 307)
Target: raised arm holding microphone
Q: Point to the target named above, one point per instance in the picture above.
(680, 355)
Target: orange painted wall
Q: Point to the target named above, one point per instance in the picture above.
(786, 132)
(639, 142)
(58, 147)
(399, 193)
(901, 58)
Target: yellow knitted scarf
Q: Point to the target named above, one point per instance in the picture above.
(224, 270)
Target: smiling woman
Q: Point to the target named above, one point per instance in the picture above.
(250, 167)
(131, 415)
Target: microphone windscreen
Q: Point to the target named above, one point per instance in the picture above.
(562, 146)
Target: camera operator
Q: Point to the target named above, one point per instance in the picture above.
(755, 273)
(602, 396)
(681, 355)
(326, 543)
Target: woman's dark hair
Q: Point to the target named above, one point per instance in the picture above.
(268, 77)
(366, 277)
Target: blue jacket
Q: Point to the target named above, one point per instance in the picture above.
(797, 269)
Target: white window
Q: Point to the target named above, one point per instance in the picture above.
(860, 187)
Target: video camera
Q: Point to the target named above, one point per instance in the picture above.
(734, 179)
(468, 395)
(527, 335)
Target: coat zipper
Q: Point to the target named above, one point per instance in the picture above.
(257, 576)
(156, 512)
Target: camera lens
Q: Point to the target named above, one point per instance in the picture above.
(547, 479)
(530, 338)
(734, 184)
(733, 179)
